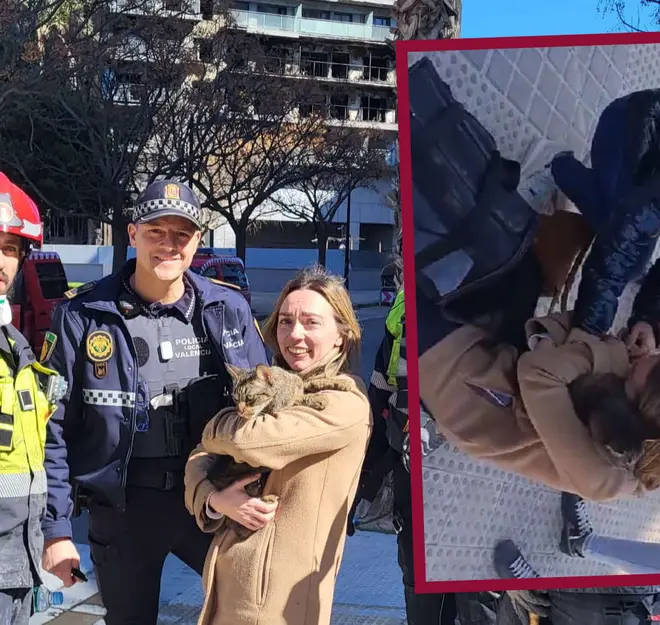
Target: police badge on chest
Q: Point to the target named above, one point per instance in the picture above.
(100, 349)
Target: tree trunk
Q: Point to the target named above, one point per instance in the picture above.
(119, 238)
(240, 232)
(321, 242)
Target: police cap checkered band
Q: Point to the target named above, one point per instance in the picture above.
(166, 198)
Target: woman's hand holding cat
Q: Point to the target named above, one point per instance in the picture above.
(235, 503)
(641, 340)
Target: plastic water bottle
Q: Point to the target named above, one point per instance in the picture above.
(44, 598)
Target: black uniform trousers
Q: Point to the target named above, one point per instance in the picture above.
(129, 548)
(421, 609)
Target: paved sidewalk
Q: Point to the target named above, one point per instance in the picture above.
(368, 592)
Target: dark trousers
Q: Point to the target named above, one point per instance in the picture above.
(421, 609)
(129, 549)
(574, 608)
(15, 606)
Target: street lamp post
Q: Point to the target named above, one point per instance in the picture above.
(347, 249)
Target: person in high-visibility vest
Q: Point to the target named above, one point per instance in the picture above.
(389, 452)
(28, 391)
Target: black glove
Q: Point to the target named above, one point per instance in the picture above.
(526, 601)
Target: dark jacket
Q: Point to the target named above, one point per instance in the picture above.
(89, 442)
(620, 199)
(613, 262)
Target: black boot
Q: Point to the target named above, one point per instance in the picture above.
(577, 527)
(510, 563)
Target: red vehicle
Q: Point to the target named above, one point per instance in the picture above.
(228, 269)
(39, 287)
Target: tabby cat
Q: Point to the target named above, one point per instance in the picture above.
(266, 389)
(613, 420)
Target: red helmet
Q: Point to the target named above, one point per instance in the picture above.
(19, 215)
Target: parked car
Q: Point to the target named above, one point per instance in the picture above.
(229, 269)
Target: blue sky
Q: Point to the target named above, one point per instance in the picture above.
(514, 18)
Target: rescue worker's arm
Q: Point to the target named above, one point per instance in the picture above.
(66, 360)
(276, 440)
(544, 375)
(611, 264)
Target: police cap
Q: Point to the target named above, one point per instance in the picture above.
(167, 198)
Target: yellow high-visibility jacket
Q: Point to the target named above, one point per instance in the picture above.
(24, 412)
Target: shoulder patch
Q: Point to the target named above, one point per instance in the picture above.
(79, 290)
(48, 346)
(227, 284)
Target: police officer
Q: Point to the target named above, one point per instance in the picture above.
(27, 392)
(144, 351)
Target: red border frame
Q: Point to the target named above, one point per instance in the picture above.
(402, 50)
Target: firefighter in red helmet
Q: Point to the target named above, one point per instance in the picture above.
(29, 392)
(19, 215)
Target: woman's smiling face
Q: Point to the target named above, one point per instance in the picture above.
(306, 329)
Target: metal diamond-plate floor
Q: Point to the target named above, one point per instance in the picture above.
(521, 96)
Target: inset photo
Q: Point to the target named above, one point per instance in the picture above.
(530, 180)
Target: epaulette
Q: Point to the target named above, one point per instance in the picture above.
(79, 290)
(227, 284)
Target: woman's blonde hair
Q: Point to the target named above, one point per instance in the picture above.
(332, 288)
(647, 468)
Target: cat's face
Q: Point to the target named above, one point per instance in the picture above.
(253, 389)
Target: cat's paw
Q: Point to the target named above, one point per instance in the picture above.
(242, 532)
(316, 403)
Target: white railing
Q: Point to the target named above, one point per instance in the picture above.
(309, 26)
(179, 8)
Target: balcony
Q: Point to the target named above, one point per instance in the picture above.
(327, 71)
(268, 22)
(182, 9)
(363, 116)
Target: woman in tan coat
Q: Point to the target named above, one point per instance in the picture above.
(515, 406)
(284, 573)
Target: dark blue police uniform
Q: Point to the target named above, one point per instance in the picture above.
(144, 378)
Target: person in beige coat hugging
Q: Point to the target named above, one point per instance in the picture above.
(284, 572)
(552, 402)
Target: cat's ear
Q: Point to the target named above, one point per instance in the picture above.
(234, 372)
(264, 373)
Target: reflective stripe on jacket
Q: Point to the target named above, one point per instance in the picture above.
(24, 412)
